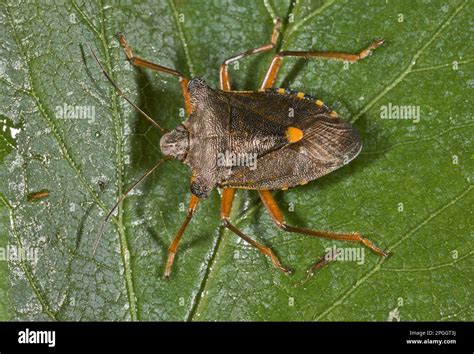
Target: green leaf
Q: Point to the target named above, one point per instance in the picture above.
(409, 191)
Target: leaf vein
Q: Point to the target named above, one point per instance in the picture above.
(182, 38)
(378, 267)
(409, 67)
(29, 277)
(118, 128)
(431, 268)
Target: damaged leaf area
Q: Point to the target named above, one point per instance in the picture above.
(70, 147)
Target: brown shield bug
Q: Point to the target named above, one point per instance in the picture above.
(247, 140)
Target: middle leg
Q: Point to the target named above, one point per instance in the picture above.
(226, 204)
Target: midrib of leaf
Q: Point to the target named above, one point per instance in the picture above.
(119, 161)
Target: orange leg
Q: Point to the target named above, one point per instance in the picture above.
(277, 217)
(320, 263)
(272, 71)
(226, 204)
(193, 203)
(224, 74)
(136, 61)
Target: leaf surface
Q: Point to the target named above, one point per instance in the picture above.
(410, 190)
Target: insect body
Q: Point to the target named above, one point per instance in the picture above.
(294, 138)
(289, 137)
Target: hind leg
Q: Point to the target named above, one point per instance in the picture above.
(272, 71)
(224, 74)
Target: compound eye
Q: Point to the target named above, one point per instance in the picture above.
(201, 187)
(196, 83)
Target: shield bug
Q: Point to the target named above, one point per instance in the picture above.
(224, 127)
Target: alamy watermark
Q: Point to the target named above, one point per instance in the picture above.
(30, 336)
(351, 254)
(392, 111)
(14, 253)
(232, 159)
(67, 111)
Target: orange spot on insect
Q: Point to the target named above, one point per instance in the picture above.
(300, 95)
(319, 103)
(281, 90)
(302, 183)
(294, 134)
(334, 114)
